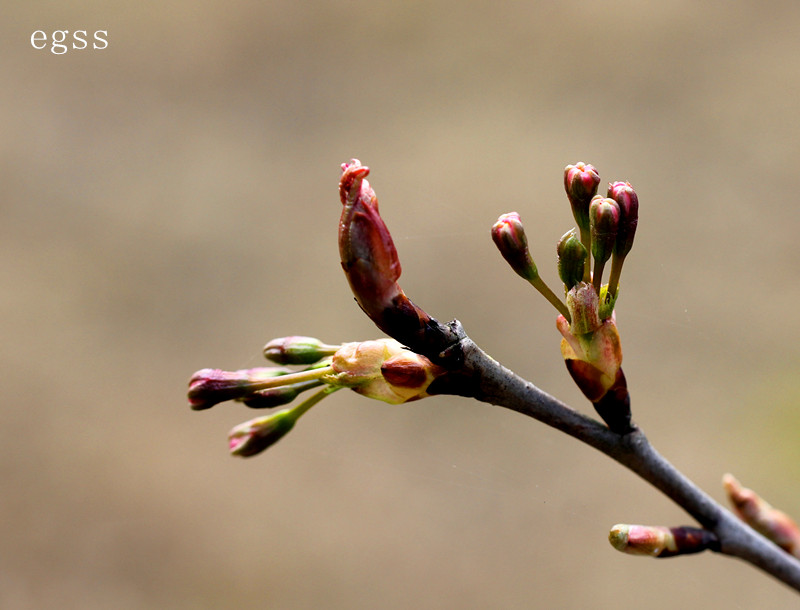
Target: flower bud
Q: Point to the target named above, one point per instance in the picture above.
(254, 436)
(208, 387)
(509, 237)
(571, 259)
(297, 350)
(604, 219)
(659, 541)
(581, 181)
(628, 201)
(762, 517)
(383, 370)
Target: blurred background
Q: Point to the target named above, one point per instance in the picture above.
(170, 204)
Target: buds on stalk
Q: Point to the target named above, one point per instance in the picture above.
(208, 387)
(628, 202)
(508, 235)
(659, 541)
(254, 436)
(762, 517)
(581, 181)
(604, 219)
(381, 369)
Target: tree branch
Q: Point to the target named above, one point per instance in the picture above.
(497, 385)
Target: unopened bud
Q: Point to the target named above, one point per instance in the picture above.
(580, 182)
(509, 237)
(628, 201)
(659, 541)
(604, 219)
(762, 517)
(254, 436)
(571, 259)
(208, 387)
(297, 350)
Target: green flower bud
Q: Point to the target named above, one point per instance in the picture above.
(571, 259)
(297, 350)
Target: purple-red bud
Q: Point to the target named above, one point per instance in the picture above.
(628, 201)
(508, 235)
(604, 218)
(580, 182)
(208, 387)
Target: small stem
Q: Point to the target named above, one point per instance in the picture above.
(586, 240)
(291, 378)
(312, 400)
(597, 277)
(616, 271)
(548, 294)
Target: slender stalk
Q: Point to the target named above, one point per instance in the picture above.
(548, 294)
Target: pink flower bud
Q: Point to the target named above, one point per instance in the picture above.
(508, 235)
(659, 541)
(628, 201)
(580, 182)
(208, 387)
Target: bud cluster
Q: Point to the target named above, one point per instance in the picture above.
(605, 230)
(382, 369)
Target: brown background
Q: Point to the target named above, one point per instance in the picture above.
(169, 203)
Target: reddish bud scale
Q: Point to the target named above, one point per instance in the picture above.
(659, 541)
(370, 262)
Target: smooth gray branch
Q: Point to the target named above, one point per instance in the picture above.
(493, 383)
